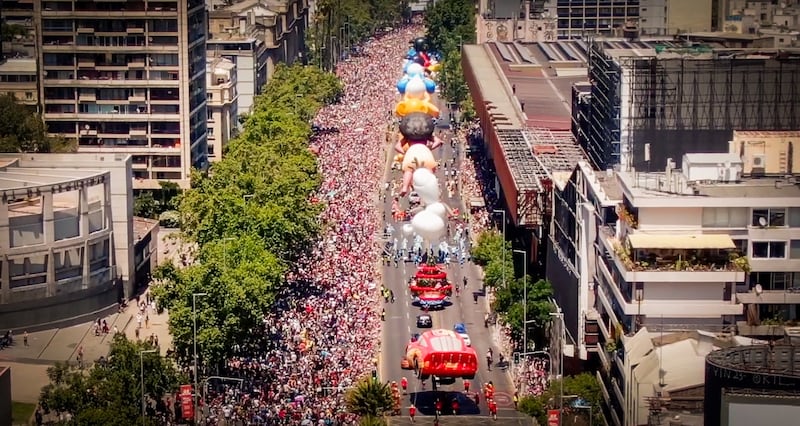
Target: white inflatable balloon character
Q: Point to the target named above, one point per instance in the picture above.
(415, 70)
(415, 89)
(428, 225)
(439, 209)
(408, 229)
(427, 186)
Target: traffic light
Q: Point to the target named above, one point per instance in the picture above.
(374, 375)
(516, 358)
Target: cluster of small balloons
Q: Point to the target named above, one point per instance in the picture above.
(417, 141)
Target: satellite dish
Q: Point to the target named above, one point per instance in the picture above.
(762, 221)
(758, 289)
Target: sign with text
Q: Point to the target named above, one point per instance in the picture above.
(552, 418)
(187, 403)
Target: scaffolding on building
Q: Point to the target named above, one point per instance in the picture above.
(685, 99)
(533, 155)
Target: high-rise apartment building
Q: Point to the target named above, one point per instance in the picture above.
(128, 77)
(584, 18)
(648, 105)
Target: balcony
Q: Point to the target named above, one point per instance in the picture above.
(677, 258)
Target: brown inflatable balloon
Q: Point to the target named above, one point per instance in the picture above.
(417, 126)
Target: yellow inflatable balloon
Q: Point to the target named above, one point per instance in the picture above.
(407, 106)
(434, 67)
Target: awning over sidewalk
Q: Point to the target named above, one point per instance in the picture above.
(681, 242)
(477, 203)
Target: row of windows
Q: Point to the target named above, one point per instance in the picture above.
(69, 59)
(16, 78)
(776, 249)
(741, 217)
(108, 25)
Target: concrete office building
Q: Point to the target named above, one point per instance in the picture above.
(18, 79)
(650, 104)
(222, 102)
(129, 78)
(711, 247)
(585, 18)
(671, 17)
(65, 236)
(256, 36)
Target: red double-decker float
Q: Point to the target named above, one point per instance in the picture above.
(430, 278)
(441, 353)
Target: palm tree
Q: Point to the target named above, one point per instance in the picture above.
(369, 398)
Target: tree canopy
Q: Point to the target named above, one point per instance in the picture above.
(250, 217)
(584, 392)
(509, 298)
(451, 24)
(22, 130)
(109, 392)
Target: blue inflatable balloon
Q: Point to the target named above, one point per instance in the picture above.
(401, 85)
(430, 85)
(411, 53)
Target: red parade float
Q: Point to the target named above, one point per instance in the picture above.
(441, 353)
(430, 279)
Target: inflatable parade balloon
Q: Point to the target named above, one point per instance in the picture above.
(416, 86)
(438, 208)
(426, 185)
(428, 225)
(420, 44)
(417, 127)
(408, 229)
(408, 106)
(415, 70)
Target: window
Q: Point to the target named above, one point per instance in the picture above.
(775, 280)
(769, 249)
(725, 217)
(794, 217)
(741, 246)
(794, 249)
(769, 217)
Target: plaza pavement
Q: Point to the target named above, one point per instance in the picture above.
(29, 363)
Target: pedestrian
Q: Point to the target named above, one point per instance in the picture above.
(404, 385)
(412, 411)
(137, 332)
(515, 399)
(25, 338)
(38, 416)
(147, 320)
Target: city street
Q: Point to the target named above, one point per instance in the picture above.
(400, 324)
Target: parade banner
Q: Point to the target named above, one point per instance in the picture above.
(187, 403)
(552, 418)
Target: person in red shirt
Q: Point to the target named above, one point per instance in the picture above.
(466, 386)
(412, 411)
(493, 408)
(404, 385)
(438, 407)
(454, 406)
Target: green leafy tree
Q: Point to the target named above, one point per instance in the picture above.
(450, 23)
(489, 247)
(109, 393)
(22, 130)
(145, 205)
(583, 385)
(240, 277)
(369, 398)
(453, 86)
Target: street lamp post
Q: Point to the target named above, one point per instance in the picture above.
(141, 368)
(504, 246)
(562, 342)
(525, 299)
(194, 341)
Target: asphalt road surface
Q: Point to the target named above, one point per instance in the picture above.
(400, 324)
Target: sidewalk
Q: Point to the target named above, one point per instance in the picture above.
(45, 348)
(29, 363)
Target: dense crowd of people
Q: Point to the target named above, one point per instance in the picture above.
(532, 376)
(323, 336)
(477, 182)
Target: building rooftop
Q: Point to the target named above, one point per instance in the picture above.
(727, 36)
(18, 66)
(653, 185)
(12, 177)
(495, 93)
(141, 227)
